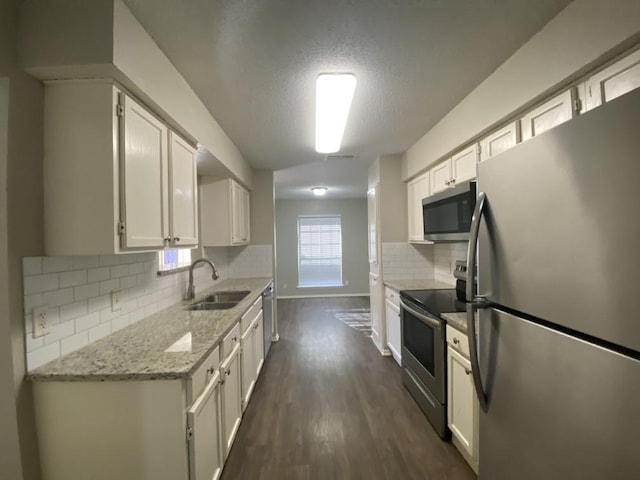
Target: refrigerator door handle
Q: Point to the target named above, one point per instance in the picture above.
(474, 301)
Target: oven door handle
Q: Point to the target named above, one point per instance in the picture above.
(422, 317)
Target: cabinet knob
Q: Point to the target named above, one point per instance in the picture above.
(235, 339)
(467, 371)
(210, 370)
(255, 327)
(221, 380)
(228, 372)
(176, 239)
(456, 341)
(167, 239)
(453, 181)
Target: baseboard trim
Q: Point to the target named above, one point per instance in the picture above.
(324, 296)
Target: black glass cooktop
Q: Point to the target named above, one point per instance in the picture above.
(435, 301)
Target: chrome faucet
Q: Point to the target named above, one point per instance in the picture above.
(191, 291)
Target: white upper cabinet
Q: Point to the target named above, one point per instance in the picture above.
(500, 141)
(440, 176)
(464, 165)
(417, 189)
(548, 115)
(109, 168)
(144, 163)
(225, 212)
(615, 80)
(183, 188)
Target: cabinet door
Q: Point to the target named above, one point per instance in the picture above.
(393, 330)
(499, 141)
(374, 293)
(246, 215)
(462, 410)
(203, 421)
(239, 205)
(440, 176)
(183, 201)
(144, 177)
(417, 189)
(248, 371)
(615, 80)
(231, 399)
(258, 345)
(464, 165)
(548, 115)
(372, 222)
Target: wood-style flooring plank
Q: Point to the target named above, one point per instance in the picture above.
(328, 406)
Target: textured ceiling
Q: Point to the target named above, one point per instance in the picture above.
(254, 62)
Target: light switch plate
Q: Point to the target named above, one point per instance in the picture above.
(41, 321)
(116, 300)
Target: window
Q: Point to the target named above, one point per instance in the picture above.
(319, 251)
(169, 260)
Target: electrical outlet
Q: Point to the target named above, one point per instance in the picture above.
(41, 322)
(116, 302)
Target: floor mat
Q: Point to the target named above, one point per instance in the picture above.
(358, 319)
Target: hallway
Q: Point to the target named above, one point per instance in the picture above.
(328, 406)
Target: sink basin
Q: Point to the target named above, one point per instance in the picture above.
(220, 301)
(226, 297)
(212, 306)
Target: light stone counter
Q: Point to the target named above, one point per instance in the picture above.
(420, 284)
(457, 320)
(138, 352)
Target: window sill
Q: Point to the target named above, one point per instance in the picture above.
(336, 285)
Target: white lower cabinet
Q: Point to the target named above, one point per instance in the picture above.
(203, 432)
(392, 315)
(231, 399)
(462, 405)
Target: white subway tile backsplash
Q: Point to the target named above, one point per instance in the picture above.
(81, 263)
(78, 293)
(43, 355)
(73, 278)
(87, 321)
(86, 291)
(32, 265)
(57, 298)
(98, 274)
(99, 331)
(40, 283)
(56, 264)
(403, 261)
(74, 342)
(73, 310)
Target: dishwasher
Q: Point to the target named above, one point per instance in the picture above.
(267, 306)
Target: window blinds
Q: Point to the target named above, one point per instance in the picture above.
(319, 251)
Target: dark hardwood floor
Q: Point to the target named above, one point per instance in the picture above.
(329, 406)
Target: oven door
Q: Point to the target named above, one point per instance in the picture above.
(423, 340)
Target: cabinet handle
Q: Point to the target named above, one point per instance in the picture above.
(453, 181)
(176, 239)
(235, 339)
(221, 380)
(167, 239)
(467, 371)
(447, 182)
(228, 372)
(456, 341)
(210, 370)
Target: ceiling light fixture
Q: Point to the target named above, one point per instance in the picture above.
(319, 191)
(334, 92)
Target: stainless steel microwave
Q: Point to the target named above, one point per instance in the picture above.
(446, 216)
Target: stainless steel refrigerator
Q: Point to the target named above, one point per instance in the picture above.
(557, 231)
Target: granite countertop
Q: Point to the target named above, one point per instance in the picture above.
(457, 320)
(138, 352)
(419, 284)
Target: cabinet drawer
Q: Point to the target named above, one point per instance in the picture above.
(230, 341)
(458, 341)
(203, 374)
(250, 315)
(392, 295)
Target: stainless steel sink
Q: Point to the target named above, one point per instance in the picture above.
(226, 297)
(220, 301)
(212, 306)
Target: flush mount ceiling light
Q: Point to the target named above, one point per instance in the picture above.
(334, 92)
(319, 191)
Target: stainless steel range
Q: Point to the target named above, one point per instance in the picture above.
(424, 350)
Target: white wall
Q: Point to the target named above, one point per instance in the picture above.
(355, 268)
(582, 35)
